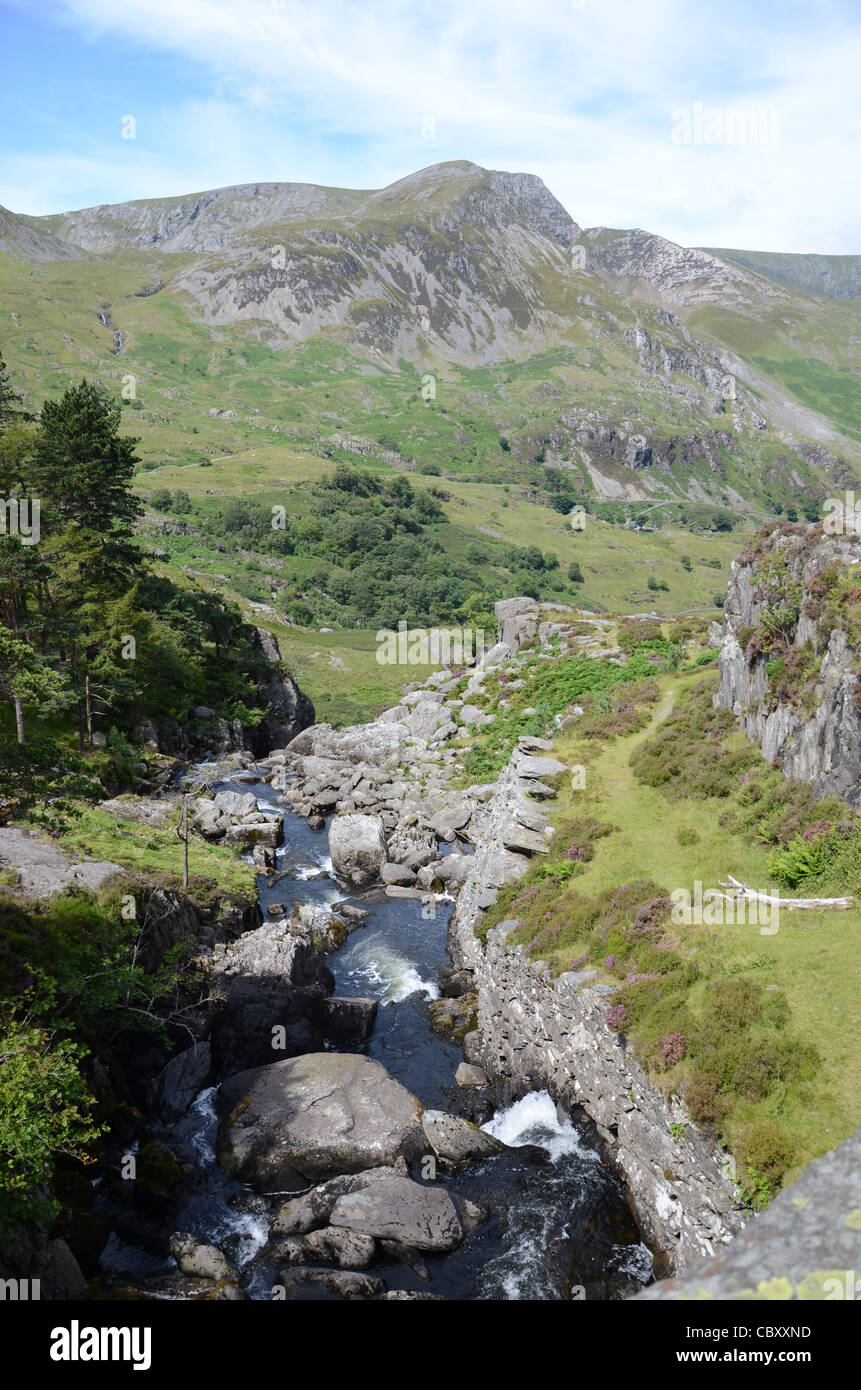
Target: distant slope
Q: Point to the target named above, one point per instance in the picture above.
(835, 277)
(459, 318)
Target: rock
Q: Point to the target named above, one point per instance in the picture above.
(453, 982)
(307, 1118)
(455, 868)
(445, 823)
(468, 714)
(182, 1078)
(456, 1140)
(263, 857)
(206, 817)
(236, 803)
(518, 621)
(259, 1019)
(312, 1209)
(200, 1260)
(358, 915)
(348, 1020)
(468, 1075)
(430, 721)
(423, 1218)
(357, 845)
(412, 1296)
(453, 1018)
(311, 1283)
(398, 874)
(344, 1249)
(519, 837)
(472, 1216)
(202, 712)
(59, 1273)
(527, 766)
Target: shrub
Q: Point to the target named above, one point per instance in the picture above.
(768, 1148)
(707, 1106)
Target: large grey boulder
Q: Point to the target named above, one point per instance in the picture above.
(310, 1117)
(518, 621)
(357, 845)
(456, 1140)
(422, 1218)
(236, 803)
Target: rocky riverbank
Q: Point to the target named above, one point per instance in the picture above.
(399, 819)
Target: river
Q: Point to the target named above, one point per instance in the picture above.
(558, 1225)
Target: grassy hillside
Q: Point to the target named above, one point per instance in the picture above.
(782, 1085)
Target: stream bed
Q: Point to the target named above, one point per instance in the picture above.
(558, 1226)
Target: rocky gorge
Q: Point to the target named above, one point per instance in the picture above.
(377, 1098)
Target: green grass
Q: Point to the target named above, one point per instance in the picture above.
(155, 850)
(814, 958)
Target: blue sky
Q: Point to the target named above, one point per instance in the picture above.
(629, 110)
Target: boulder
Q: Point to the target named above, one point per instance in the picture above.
(310, 1117)
(455, 868)
(456, 1140)
(236, 803)
(332, 1246)
(313, 1209)
(303, 1283)
(422, 1218)
(468, 1075)
(200, 1260)
(398, 873)
(357, 844)
(182, 1078)
(348, 1020)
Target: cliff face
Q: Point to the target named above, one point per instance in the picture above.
(791, 652)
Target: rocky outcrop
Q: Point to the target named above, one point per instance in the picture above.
(44, 868)
(806, 1244)
(289, 709)
(787, 669)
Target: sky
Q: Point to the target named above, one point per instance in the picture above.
(732, 123)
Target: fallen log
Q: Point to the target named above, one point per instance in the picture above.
(742, 891)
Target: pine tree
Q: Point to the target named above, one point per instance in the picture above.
(83, 467)
(9, 397)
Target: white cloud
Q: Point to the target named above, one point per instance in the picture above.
(336, 93)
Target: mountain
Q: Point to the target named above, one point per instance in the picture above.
(433, 319)
(835, 277)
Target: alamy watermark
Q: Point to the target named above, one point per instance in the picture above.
(842, 515)
(756, 127)
(436, 646)
(21, 517)
(714, 908)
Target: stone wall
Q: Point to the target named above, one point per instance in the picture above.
(535, 1032)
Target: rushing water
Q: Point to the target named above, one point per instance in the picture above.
(558, 1225)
